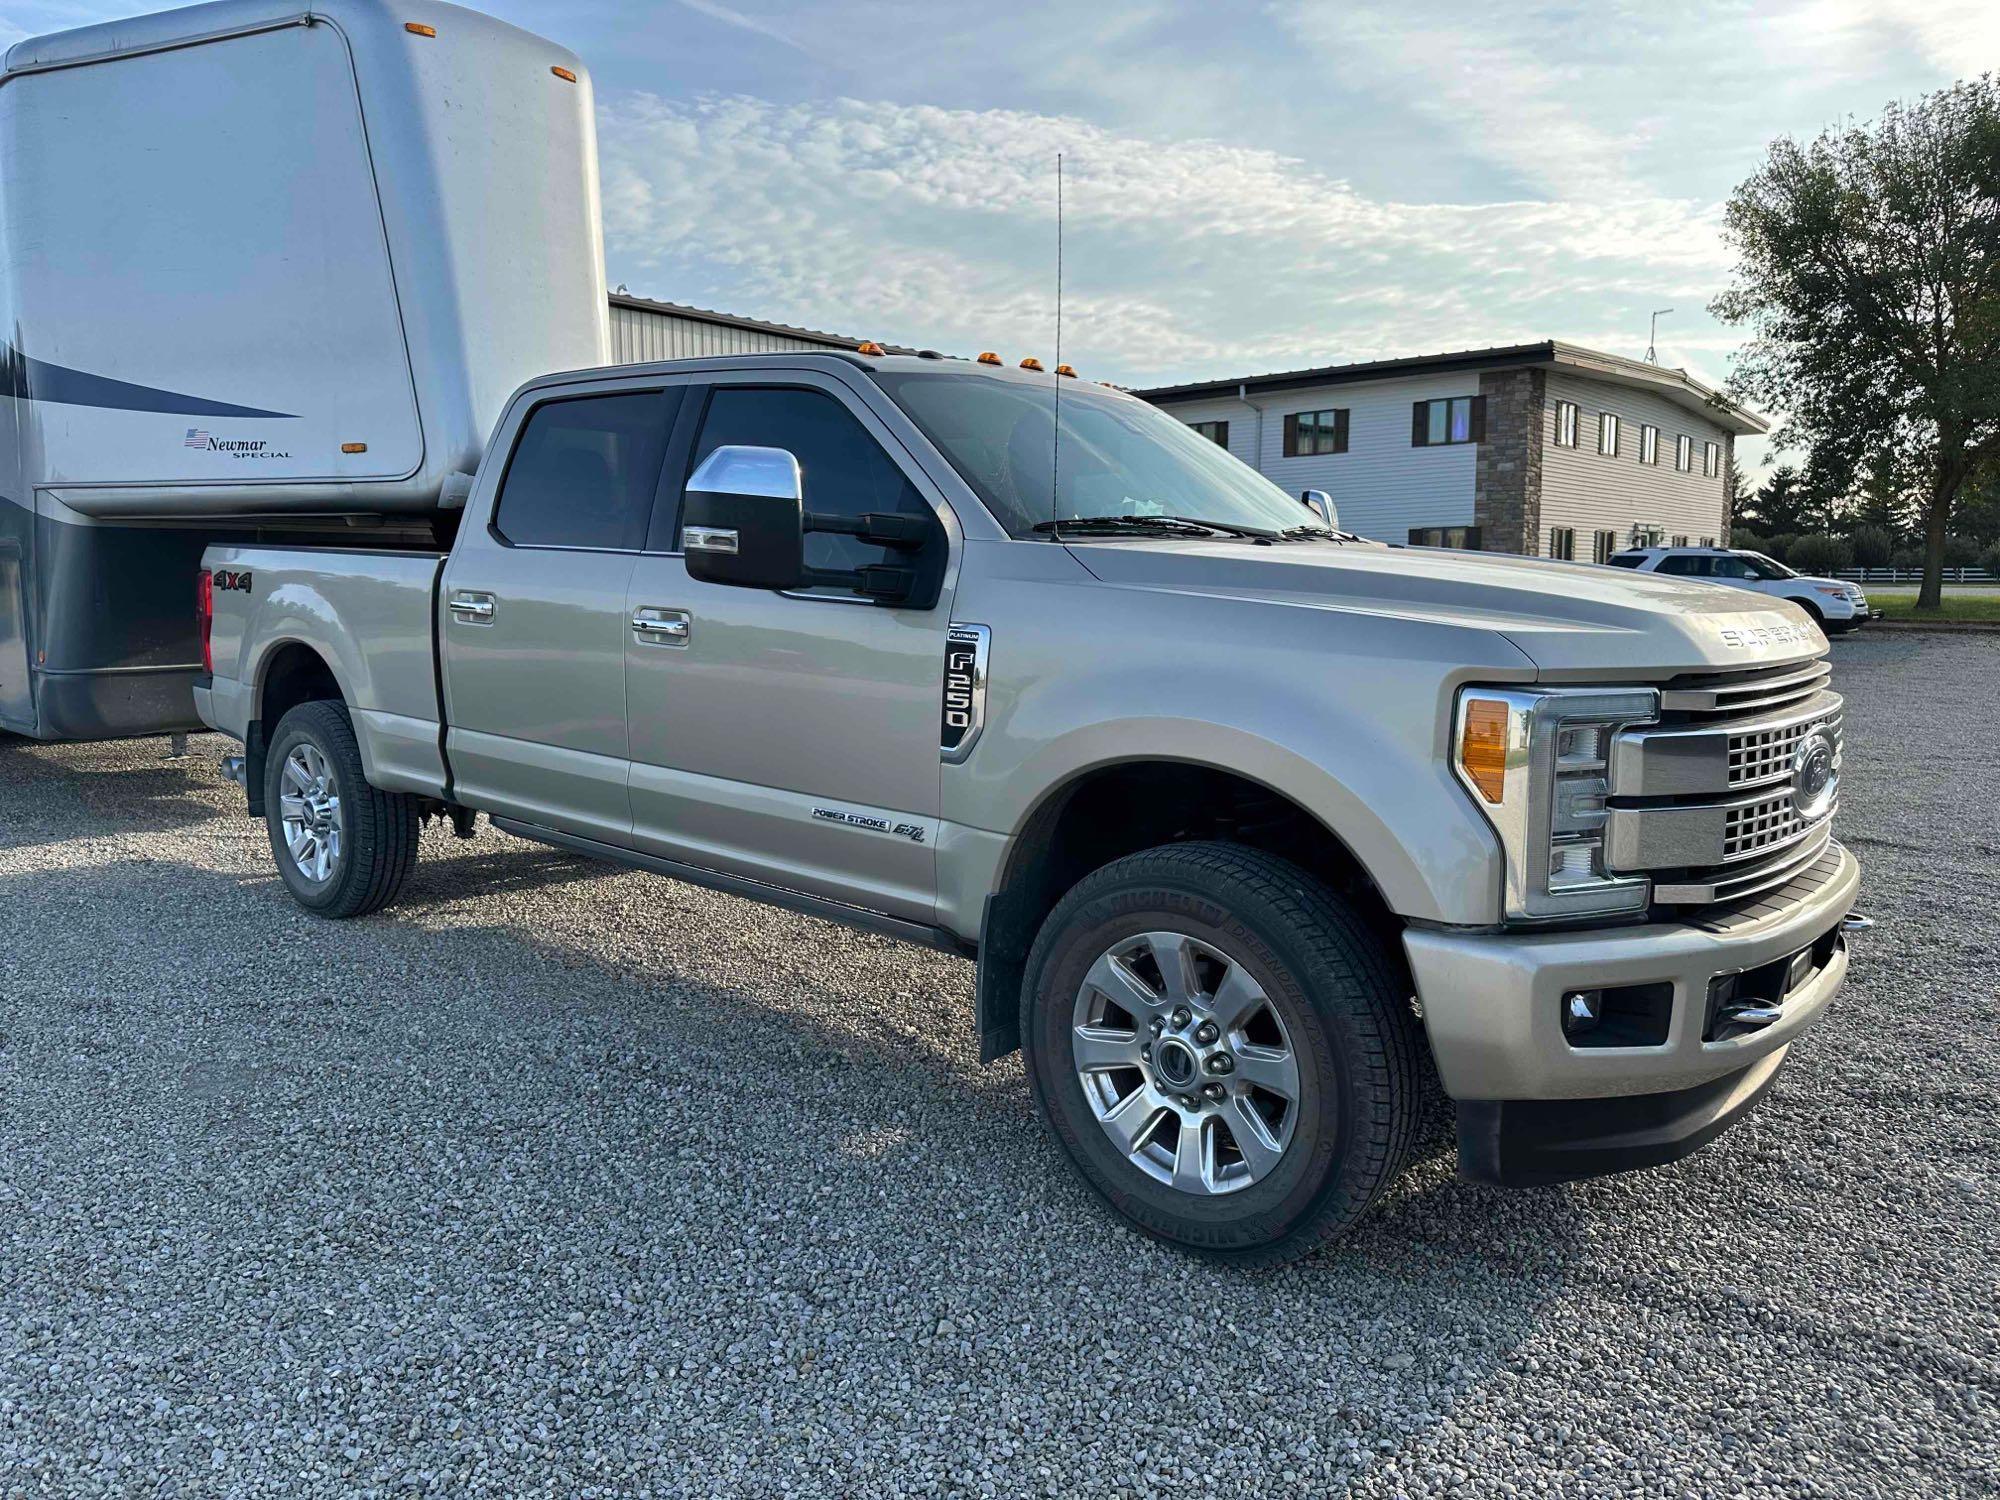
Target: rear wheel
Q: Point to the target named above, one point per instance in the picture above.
(1223, 1049)
(343, 848)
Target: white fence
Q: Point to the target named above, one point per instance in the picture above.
(1914, 575)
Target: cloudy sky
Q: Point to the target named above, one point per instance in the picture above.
(1248, 187)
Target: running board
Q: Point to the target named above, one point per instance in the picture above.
(923, 935)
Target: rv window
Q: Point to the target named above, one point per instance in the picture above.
(584, 472)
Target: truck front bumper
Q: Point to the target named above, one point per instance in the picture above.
(1539, 1103)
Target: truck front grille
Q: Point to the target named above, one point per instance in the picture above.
(1704, 801)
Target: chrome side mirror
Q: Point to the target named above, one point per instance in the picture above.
(1320, 503)
(743, 522)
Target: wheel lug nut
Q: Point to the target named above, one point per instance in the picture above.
(1156, 1026)
(1206, 1033)
(1214, 1091)
(1187, 1101)
(1182, 1015)
(1222, 1062)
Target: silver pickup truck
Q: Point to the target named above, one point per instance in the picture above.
(1248, 822)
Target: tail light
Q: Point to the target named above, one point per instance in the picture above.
(204, 609)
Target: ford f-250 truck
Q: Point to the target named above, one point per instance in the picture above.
(1247, 822)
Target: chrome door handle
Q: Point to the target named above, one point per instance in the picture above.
(662, 627)
(476, 609)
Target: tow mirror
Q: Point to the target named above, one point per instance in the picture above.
(745, 523)
(1320, 503)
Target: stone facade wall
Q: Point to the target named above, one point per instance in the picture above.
(1507, 489)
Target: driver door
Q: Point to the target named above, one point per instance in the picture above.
(789, 738)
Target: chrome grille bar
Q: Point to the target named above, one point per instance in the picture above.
(1742, 694)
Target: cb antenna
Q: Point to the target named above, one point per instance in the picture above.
(1055, 448)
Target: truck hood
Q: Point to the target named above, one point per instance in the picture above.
(1570, 619)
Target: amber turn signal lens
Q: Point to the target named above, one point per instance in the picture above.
(564, 74)
(417, 28)
(1482, 747)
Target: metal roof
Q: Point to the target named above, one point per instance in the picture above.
(1677, 384)
(757, 325)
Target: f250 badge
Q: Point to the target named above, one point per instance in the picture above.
(230, 582)
(964, 708)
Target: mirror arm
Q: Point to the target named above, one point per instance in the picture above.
(878, 528)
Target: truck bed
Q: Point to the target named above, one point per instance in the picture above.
(366, 617)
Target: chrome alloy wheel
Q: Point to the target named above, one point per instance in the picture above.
(1186, 1063)
(309, 806)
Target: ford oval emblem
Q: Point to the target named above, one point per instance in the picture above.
(1815, 774)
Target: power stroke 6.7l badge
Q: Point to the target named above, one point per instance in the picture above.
(964, 709)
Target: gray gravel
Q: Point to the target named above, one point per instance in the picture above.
(564, 1181)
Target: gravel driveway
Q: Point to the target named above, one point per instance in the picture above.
(560, 1180)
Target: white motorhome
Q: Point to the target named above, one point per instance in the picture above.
(268, 271)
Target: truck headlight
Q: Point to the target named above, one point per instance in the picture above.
(1538, 765)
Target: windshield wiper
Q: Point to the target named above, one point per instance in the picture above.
(1314, 533)
(1153, 525)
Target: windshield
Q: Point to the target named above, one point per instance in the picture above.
(1766, 567)
(1116, 456)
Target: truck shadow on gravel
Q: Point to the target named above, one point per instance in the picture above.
(410, 1116)
(46, 797)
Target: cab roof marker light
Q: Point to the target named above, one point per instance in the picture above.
(1031, 363)
(988, 357)
(869, 346)
(1066, 370)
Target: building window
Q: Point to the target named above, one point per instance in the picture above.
(1645, 536)
(1456, 419)
(1313, 432)
(1649, 444)
(1566, 424)
(1681, 540)
(1562, 543)
(1465, 538)
(1708, 541)
(1216, 432)
(1602, 545)
(1607, 434)
(1684, 453)
(1711, 460)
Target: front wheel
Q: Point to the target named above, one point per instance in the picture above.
(343, 848)
(1223, 1049)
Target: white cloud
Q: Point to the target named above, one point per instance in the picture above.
(1184, 257)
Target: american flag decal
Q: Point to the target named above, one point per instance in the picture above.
(197, 438)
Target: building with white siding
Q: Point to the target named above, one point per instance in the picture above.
(1546, 449)
(644, 330)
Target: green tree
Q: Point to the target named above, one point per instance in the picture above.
(1779, 504)
(1873, 546)
(1868, 269)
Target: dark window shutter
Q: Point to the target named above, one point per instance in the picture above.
(1419, 429)
(1340, 430)
(1479, 419)
(1291, 434)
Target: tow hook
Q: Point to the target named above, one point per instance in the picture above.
(233, 770)
(1855, 922)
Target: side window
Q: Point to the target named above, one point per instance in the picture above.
(584, 471)
(1684, 567)
(844, 470)
(1733, 567)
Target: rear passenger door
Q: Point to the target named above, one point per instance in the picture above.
(533, 615)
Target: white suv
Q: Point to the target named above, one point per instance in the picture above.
(1835, 605)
